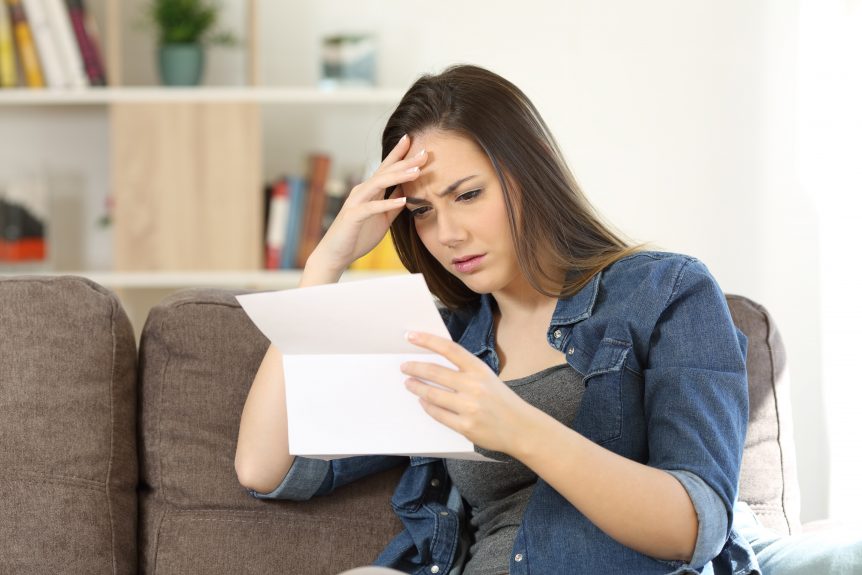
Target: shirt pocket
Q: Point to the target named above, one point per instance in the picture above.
(600, 416)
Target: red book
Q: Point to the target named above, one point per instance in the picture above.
(85, 34)
(315, 206)
(22, 250)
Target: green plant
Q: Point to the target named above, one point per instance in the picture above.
(187, 21)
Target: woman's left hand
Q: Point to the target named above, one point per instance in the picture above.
(479, 406)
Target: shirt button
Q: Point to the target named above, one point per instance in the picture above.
(558, 334)
(571, 350)
(435, 569)
(518, 557)
(435, 483)
(444, 514)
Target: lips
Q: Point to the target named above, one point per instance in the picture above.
(468, 264)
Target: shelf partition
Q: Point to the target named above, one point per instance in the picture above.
(262, 95)
(275, 279)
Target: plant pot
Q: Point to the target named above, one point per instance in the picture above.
(181, 64)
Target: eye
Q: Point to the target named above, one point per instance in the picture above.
(419, 213)
(467, 196)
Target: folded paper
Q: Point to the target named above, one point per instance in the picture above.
(342, 346)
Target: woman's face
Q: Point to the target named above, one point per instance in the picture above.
(459, 212)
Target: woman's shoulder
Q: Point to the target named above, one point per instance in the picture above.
(655, 269)
(649, 281)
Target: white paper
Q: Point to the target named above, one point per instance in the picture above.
(342, 346)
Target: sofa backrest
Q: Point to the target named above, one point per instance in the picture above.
(199, 353)
(68, 458)
(768, 482)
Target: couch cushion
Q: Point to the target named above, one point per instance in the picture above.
(68, 460)
(199, 353)
(768, 481)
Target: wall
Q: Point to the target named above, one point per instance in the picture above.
(830, 144)
(678, 118)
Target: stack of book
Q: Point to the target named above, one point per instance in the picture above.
(300, 209)
(49, 43)
(23, 215)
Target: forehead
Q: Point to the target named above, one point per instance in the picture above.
(450, 157)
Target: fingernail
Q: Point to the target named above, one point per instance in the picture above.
(409, 335)
(404, 137)
(402, 200)
(412, 170)
(421, 152)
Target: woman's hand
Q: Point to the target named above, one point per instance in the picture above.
(479, 406)
(366, 216)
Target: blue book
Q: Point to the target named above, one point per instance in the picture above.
(296, 200)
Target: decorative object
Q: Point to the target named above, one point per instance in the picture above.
(349, 60)
(185, 28)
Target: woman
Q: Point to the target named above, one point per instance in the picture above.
(609, 381)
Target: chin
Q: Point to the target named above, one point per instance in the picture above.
(479, 284)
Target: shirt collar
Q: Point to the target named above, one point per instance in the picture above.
(478, 336)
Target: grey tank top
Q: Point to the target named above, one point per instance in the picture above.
(498, 492)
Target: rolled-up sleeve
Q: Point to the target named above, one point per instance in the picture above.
(302, 481)
(309, 478)
(712, 527)
(696, 400)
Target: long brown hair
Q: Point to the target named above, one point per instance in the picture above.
(555, 229)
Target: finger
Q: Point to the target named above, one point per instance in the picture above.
(397, 152)
(449, 349)
(416, 159)
(374, 187)
(444, 416)
(381, 206)
(412, 165)
(432, 372)
(444, 398)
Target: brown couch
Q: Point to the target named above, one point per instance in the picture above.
(117, 459)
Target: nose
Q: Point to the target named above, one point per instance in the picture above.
(450, 231)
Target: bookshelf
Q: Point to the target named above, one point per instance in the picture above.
(163, 153)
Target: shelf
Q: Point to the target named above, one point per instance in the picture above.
(217, 279)
(263, 95)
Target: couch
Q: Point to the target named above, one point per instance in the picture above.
(117, 457)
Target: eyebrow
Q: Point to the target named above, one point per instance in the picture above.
(449, 189)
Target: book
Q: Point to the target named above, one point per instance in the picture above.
(46, 43)
(70, 57)
(267, 197)
(295, 218)
(382, 257)
(8, 66)
(318, 174)
(30, 66)
(86, 37)
(276, 225)
(336, 193)
(23, 209)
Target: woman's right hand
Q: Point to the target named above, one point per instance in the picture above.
(365, 216)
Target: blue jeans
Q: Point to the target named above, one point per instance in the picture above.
(824, 552)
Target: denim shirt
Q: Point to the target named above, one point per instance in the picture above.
(666, 386)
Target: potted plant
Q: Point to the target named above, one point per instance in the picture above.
(185, 27)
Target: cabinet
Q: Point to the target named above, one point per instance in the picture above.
(185, 168)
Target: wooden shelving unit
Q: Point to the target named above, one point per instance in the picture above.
(182, 161)
(158, 94)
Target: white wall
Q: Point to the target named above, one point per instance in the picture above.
(830, 144)
(678, 118)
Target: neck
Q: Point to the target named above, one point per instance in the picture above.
(520, 299)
